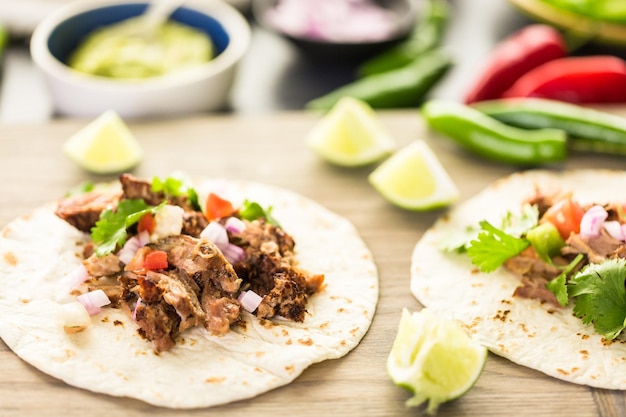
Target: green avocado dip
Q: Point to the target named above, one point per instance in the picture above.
(123, 51)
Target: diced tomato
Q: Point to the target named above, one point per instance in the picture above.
(156, 259)
(146, 223)
(566, 216)
(138, 261)
(217, 207)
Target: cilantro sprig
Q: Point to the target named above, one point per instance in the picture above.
(110, 230)
(176, 187)
(600, 296)
(493, 247)
(251, 210)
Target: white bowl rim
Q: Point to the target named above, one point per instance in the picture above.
(230, 18)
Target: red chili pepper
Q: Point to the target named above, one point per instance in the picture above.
(581, 80)
(516, 55)
(217, 207)
(156, 259)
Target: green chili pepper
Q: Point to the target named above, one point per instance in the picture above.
(425, 36)
(492, 139)
(4, 39)
(588, 129)
(402, 87)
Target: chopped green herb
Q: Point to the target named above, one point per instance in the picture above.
(601, 296)
(251, 211)
(518, 224)
(110, 230)
(515, 225)
(81, 188)
(559, 284)
(493, 247)
(176, 187)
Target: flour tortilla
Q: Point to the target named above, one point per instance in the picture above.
(109, 357)
(535, 335)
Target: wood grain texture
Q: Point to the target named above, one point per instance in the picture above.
(271, 149)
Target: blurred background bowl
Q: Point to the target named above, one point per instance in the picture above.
(201, 88)
(304, 25)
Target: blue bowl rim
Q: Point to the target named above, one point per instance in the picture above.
(232, 21)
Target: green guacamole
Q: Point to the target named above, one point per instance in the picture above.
(120, 51)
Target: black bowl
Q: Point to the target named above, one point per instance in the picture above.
(403, 12)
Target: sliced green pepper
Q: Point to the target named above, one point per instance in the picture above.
(588, 129)
(425, 36)
(4, 39)
(402, 87)
(546, 240)
(489, 138)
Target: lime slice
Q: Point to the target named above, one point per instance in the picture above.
(414, 179)
(351, 135)
(104, 146)
(434, 358)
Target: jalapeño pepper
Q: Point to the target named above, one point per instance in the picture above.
(587, 129)
(425, 36)
(402, 87)
(492, 139)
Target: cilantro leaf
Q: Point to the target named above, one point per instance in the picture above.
(110, 229)
(251, 211)
(514, 224)
(81, 188)
(517, 225)
(601, 296)
(558, 285)
(176, 187)
(493, 247)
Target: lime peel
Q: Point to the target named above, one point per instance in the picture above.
(434, 358)
(104, 146)
(414, 179)
(351, 135)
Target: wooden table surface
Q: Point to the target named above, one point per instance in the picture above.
(271, 149)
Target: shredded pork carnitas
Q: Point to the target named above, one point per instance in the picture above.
(199, 286)
(535, 273)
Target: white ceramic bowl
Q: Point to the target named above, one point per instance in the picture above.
(201, 88)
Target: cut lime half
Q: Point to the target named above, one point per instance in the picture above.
(414, 179)
(104, 146)
(434, 358)
(351, 135)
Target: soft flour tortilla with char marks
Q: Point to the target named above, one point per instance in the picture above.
(109, 357)
(534, 334)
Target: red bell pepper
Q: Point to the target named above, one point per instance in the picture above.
(516, 55)
(581, 80)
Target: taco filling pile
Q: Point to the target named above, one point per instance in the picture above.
(535, 267)
(172, 266)
(180, 293)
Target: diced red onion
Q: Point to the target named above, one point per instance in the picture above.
(249, 300)
(615, 229)
(137, 304)
(592, 221)
(217, 234)
(235, 225)
(93, 300)
(233, 253)
(131, 246)
(75, 277)
(144, 238)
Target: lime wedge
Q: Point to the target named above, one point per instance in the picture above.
(434, 358)
(104, 146)
(414, 179)
(351, 135)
